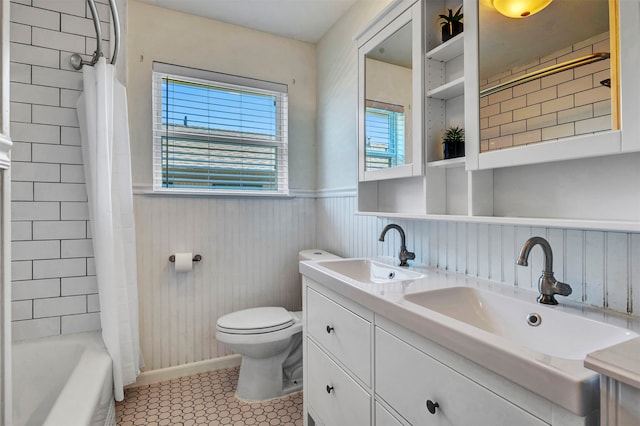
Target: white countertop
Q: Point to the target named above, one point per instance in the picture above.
(556, 379)
(620, 362)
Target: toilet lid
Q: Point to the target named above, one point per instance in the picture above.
(255, 321)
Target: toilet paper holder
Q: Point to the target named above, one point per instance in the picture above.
(196, 258)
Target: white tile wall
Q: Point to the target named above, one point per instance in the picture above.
(557, 106)
(54, 288)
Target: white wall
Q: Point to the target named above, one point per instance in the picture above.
(337, 88)
(249, 246)
(54, 289)
(157, 34)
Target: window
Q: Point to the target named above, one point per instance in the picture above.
(218, 133)
(384, 126)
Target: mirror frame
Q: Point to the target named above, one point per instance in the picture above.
(380, 30)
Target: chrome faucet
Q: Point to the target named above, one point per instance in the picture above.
(548, 286)
(404, 253)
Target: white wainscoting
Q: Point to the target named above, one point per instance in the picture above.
(601, 267)
(249, 253)
(249, 249)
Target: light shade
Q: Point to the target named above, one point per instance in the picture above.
(520, 8)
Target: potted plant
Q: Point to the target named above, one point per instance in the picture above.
(451, 24)
(453, 143)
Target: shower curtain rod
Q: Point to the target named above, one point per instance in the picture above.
(572, 63)
(76, 60)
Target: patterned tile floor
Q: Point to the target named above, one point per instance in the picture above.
(204, 399)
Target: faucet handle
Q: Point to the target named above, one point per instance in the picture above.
(563, 289)
(548, 287)
(405, 255)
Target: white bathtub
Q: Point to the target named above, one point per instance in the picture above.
(62, 381)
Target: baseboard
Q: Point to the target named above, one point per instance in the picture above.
(163, 374)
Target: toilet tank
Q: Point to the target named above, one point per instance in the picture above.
(316, 254)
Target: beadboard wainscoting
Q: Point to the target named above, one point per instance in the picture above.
(601, 267)
(249, 251)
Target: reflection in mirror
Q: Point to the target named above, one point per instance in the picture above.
(565, 102)
(384, 124)
(388, 93)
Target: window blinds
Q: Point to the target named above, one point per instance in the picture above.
(217, 132)
(384, 128)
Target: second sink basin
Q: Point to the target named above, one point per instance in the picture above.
(370, 271)
(545, 330)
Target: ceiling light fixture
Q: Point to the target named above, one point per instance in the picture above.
(520, 8)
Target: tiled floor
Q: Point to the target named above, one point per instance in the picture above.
(204, 399)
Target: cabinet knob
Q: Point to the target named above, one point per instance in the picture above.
(329, 329)
(329, 389)
(431, 406)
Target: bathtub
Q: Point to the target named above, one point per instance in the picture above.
(62, 381)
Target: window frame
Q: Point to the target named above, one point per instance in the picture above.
(160, 131)
(395, 150)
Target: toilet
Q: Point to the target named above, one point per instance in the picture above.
(269, 339)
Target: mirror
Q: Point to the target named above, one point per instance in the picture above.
(388, 98)
(571, 102)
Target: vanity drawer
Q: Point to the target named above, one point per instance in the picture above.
(384, 417)
(344, 334)
(407, 378)
(332, 393)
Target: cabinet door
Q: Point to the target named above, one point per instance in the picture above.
(413, 382)
(342, 333)
(334, 396)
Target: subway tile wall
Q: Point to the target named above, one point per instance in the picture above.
(601, 267)
(569, 103)
(54, 287)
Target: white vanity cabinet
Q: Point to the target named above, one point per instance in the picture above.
(619, 403)
(334, 395)
(360, 368)
(426, 392)
(337, 358)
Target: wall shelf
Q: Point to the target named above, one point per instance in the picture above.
(449, 163)
(448, 50)
(449, 90)
(582, 224)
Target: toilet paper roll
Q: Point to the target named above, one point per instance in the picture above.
(184, 262)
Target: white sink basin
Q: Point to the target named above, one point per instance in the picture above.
(486, 324)
(554, 333)
(370, 271)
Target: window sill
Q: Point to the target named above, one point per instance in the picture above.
(148, 190)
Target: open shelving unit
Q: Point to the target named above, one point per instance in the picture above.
(585, 182)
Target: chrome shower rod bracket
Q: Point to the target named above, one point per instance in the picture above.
(77, 62)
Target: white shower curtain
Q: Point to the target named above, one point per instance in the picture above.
(102, 111)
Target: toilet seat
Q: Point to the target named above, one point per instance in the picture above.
(255, 321)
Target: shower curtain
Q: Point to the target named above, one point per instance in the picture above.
(102, 111)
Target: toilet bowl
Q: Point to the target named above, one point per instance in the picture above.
(269, 339)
